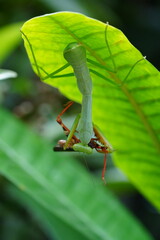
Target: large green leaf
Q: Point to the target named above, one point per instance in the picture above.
(128, 113)
(60, 190)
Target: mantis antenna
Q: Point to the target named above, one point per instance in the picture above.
(75, 54)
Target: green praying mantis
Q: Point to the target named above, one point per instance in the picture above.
(90, 136)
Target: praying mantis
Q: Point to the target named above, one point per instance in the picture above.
(90, 136)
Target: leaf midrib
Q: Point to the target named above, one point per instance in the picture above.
(123, 87)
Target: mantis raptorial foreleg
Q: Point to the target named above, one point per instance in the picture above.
(99, 142)
(114, 63)
(72, 131)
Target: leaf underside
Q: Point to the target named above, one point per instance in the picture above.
(128, 114)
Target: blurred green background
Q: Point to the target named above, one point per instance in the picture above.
(38, 104)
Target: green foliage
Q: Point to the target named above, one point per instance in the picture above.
(59, 190)
(128, 113)
(9, 39)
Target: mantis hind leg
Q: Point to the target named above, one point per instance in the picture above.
(109, 49)
(104, 168)
(40, 70)
(115, 69)
(32, 52)
(114, 64)
(129, 72)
